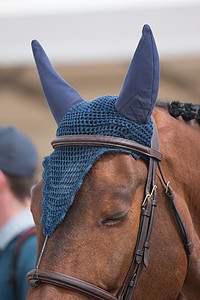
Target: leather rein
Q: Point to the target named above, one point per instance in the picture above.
(140, 257)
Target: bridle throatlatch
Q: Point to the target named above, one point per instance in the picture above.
(140, 255)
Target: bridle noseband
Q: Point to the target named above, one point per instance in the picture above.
(140, 258)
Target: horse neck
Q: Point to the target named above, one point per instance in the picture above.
(180, 146)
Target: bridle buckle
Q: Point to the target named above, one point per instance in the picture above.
(149, 195)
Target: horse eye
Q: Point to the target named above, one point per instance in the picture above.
(115, 218)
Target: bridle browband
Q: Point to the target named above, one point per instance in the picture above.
(105, 141)
(140, 258)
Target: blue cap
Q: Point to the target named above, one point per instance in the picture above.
(18, 155)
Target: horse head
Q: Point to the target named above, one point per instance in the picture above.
(87, 208)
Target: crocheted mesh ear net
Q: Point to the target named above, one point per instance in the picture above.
(66, 167)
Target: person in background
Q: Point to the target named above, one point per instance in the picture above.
(18, 250)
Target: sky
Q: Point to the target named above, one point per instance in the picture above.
(31, 7)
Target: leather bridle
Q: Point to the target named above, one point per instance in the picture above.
(140, 257)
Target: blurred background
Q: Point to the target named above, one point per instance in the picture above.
(91, 44)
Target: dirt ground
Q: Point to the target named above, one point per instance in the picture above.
(23, 105)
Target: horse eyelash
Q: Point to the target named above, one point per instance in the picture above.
(113, 220)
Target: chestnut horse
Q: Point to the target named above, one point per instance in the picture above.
(95, 241)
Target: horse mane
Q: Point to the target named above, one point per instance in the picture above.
(187, 111)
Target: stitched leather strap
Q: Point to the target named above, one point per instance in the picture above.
(35, 277)
(105, 141)
(127, 290)
(181, 225)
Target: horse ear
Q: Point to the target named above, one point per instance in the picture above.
(140, 89)
(59, 94)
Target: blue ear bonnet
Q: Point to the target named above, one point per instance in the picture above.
(66, 167)
(127, 116)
